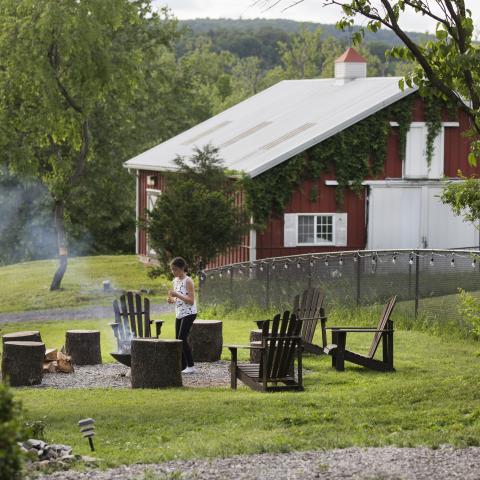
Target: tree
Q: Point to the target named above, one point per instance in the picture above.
(196, 217)
(64, 65)
(447, 67)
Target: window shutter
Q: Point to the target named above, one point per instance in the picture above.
(290, 230)
(341, 229)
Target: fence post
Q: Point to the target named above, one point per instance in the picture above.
(231, 285)
(267, 293)
(417, 281)
(310, 272)
(359, 270)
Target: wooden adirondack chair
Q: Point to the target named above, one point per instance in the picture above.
(384, 332)
(278, 348)
(132, 320)
(308, 307)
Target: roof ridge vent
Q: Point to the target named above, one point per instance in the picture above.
(349, 66)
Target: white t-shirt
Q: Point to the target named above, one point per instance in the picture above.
(182, 309)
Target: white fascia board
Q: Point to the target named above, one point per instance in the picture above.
(330, 133)
(397, 182)
(422, 124)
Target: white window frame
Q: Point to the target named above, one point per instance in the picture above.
(152, 197)
(291, 233)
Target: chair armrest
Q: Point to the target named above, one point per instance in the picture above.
(251, 347)
(260, 323)
(115, 326)
(361, 330)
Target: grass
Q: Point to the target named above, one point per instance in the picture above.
(25, 286)
(432, 399)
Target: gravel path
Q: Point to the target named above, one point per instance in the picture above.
(82, 313)
(388, 463)
(115, 375)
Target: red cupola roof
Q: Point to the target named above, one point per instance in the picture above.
(350, 55)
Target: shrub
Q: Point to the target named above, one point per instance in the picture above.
(10, 455)
(469, 308)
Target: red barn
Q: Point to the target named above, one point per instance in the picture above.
(398, 209)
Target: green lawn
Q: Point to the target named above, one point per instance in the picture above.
(25, 286)
(432, 399)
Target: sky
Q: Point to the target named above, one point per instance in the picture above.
(308, 10)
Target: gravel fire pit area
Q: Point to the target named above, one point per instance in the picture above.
(115, 375)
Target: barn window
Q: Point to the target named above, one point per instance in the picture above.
(315, 229)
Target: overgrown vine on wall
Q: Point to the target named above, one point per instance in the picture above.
(353, 154)
(433, 116)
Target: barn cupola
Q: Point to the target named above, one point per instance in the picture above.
(349, 66)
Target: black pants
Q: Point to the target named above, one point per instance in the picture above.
(182, 329)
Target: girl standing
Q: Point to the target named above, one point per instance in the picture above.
(183, 295)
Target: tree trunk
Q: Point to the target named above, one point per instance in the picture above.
(22, 363)
(62, 245)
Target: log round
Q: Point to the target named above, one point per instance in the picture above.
(33, 336)
(255, 340)
(83, 346)
(206, 340)
(22, 363)
(156, 363)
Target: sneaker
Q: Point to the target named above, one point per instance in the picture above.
(189, 370)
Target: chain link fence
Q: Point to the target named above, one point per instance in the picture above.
(426, 282)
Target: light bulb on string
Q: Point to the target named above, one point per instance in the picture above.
(410, 261)
(374, 259)
(229, 271)
(220, 275)
(474, 262)
(312, 263)
(299, 265)
(326, 262)
(394, 258)
(273, 266)
(261, 267)
(285, 266)
(340, 262)
(452, 261)
(431, 261)
(355, 258)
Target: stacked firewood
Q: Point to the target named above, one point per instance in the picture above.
(56, 361)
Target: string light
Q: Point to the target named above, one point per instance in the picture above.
(285, 266)
(220, 275)
(410, 261)
(326, 261)
(312, 263)
(474, 262)
(355, 258)
(374, 259)
(229, 271)
(394, 258)
(452, 261)
(273, 266)
(261, 267)
(340, 262)
(299, 265)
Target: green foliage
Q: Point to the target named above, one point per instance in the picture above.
(196, 217)
(463, 197)
(353, 154)
(10, 456)
(469, 308)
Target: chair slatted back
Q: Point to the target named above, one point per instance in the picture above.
(132, 316)
(308, 307)
(387, 311)
(281, 344)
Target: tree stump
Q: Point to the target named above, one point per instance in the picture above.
(33, 336)
(206, 340)
(255, 340)
(83, 346)
(156, 363)
(22, 363)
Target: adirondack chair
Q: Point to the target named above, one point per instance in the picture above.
(384, 332)
(278, 348)
(308, 307)
(132, 320)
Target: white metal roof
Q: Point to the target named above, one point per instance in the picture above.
(277, 123)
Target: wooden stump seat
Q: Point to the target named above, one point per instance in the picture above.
(206, 340)
(31, 336)
(255, 341)
(156, 363)
(22, 363)
(83, 346)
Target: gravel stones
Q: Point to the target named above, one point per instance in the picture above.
(387, 463)
(115, 375)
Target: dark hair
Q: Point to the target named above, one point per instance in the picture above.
(179, 262)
